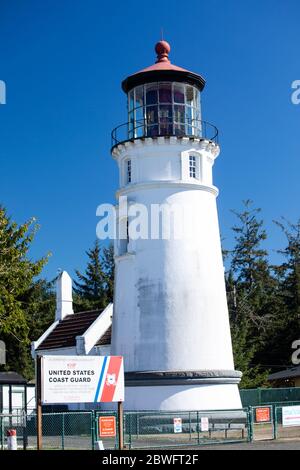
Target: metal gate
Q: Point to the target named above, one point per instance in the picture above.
(262, 423)
(162, 430)
(106, 430)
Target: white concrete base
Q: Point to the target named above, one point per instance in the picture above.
(182, 397)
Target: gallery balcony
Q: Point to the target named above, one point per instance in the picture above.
(160, 122)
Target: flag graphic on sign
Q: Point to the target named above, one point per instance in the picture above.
(109, 387)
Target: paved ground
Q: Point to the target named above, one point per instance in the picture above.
(258, 445)
(283, 444)
(85, 444)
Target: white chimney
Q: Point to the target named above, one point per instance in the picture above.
(64, 300)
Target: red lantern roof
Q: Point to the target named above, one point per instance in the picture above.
(162, 70)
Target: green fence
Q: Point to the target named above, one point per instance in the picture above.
(155, 429)
(284, 422)
(150, 429)
(142, 430)
(265, 396)
(284, 428)
(60, 430)
(107, 441)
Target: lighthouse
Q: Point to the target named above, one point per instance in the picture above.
(170, 319)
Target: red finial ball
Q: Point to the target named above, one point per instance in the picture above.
(162, 49)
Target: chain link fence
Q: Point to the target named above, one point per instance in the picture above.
(144, 430)
(287, 421)
(67, 430)
(87, 430)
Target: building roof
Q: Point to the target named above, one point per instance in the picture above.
(162, 70)
(105, 339)
(64, 334)
(285, 374)
(13, 378)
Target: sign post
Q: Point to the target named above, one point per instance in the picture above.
(39, 424)
(120, 425)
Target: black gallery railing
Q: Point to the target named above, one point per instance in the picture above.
(163, 127)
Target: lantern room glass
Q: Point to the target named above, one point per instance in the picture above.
(164, 109)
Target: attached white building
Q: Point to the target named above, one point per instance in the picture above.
(72, 334)
(83, 333)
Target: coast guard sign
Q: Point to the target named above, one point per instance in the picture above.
(82, 379)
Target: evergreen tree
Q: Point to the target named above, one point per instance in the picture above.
(39, 303)
(254, 297)
(248, 257)
(286, 324)
(17, 273)
(289, 271)
(243, 349)
(90, 289)
(250, 266)
(109, 272)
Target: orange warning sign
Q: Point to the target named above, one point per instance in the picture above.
(107, 426)
(263, 415)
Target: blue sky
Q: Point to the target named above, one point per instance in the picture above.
(63, 62)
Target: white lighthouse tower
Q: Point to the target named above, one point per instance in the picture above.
(170, 317)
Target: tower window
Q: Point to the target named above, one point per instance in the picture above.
(128, 171)
(123, 244)
(193, 166)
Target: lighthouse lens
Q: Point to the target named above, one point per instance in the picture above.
(179, 114)
(178, 93)
(164, 108)
(152, 121)
(151, 94)
(165, 93)
(165, 120)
